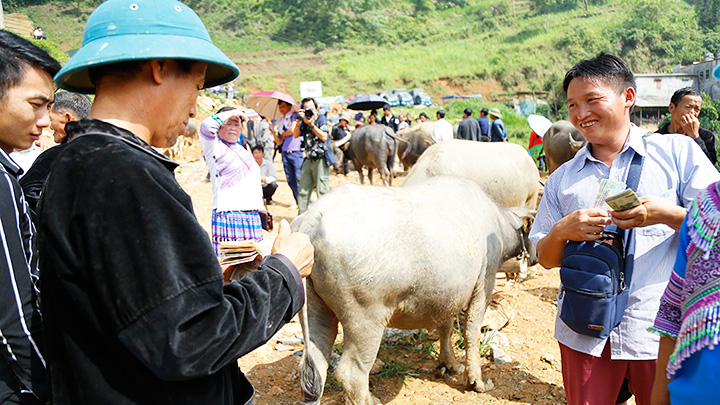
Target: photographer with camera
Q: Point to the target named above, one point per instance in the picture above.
(315, 171)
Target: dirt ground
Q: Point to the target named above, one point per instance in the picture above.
(409, 375)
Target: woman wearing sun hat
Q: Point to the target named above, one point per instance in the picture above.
(235, 176)
(135, 306)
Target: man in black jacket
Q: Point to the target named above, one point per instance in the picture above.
(685, 105)
(135, 304)
(26, 91)
(469, 129)
(388, 119)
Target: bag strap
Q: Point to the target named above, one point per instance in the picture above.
(633, 179)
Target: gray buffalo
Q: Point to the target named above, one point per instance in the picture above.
(413, 141)
(561, 142)
(504, 170)
(373, 146)
(388, 257)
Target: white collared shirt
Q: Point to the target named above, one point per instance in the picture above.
(674, 168)
(442, 130)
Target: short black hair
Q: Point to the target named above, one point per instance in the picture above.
(680, 93)
(131, 68)
(306, 99)
(257, 147)
(484, 111)
(78, 104)
(386, 107)
(226, 108)
(422, 114)
(606, 67)
(16, 56)
(441, 113)
(468, 111)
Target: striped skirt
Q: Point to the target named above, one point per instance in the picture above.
(235, 225)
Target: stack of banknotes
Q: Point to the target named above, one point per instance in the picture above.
(617, 195)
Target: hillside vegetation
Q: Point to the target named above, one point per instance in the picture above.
(444, 46)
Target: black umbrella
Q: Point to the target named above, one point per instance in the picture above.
(364, 102)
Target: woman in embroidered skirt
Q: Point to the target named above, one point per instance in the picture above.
(688, 321)
(235, 179)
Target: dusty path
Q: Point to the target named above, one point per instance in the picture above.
(532, 376)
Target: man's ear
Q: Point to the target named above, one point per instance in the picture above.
(69, 116)
(159, 69)
(630, 95)
(671, 108)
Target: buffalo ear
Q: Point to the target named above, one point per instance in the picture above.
(527, 223)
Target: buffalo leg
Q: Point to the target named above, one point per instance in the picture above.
(322, 328)
(362, 341)
(370, 174)
(359, 169)
(384, 175)
(475, 316)
(447, 355)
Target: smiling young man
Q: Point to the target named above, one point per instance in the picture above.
(601, 92)
(26, 92)
(133, 298)
(685, 106)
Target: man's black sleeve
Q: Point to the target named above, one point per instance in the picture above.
(706, 141)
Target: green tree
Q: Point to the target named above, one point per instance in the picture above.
(651, 37)
(707, 11)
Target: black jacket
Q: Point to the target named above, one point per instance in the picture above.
(133, 299)
(32, 182)
(706, 141)
(469, 129)
(392, 122)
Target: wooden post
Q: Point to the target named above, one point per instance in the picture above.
(2, 17)
(514, 8)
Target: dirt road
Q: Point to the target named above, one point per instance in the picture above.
(409, 375)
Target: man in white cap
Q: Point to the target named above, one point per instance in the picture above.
(135, 303)
(497, 128)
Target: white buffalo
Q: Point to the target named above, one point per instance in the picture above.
(504, 170)
(405, 257)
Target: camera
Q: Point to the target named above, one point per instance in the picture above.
(308, 113)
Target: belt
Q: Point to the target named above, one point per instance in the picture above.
(292, 151)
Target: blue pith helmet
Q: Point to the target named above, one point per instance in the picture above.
(127, 30)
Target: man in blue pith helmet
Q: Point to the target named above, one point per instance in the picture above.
(137, 310)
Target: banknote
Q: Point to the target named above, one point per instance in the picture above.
(608, 188)
(623, 201)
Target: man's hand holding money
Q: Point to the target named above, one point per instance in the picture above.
(652, 211)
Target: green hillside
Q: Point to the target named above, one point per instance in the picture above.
(444, 46)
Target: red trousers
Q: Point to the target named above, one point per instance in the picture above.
(590, 380)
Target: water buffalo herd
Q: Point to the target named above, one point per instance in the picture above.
(414, 256)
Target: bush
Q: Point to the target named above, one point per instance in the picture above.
(51, 48)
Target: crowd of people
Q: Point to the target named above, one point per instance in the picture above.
(135, 308)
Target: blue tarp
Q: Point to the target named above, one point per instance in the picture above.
(461, 96)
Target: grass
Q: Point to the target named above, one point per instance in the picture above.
(452, 49)
(397, 369)
(484, 343)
